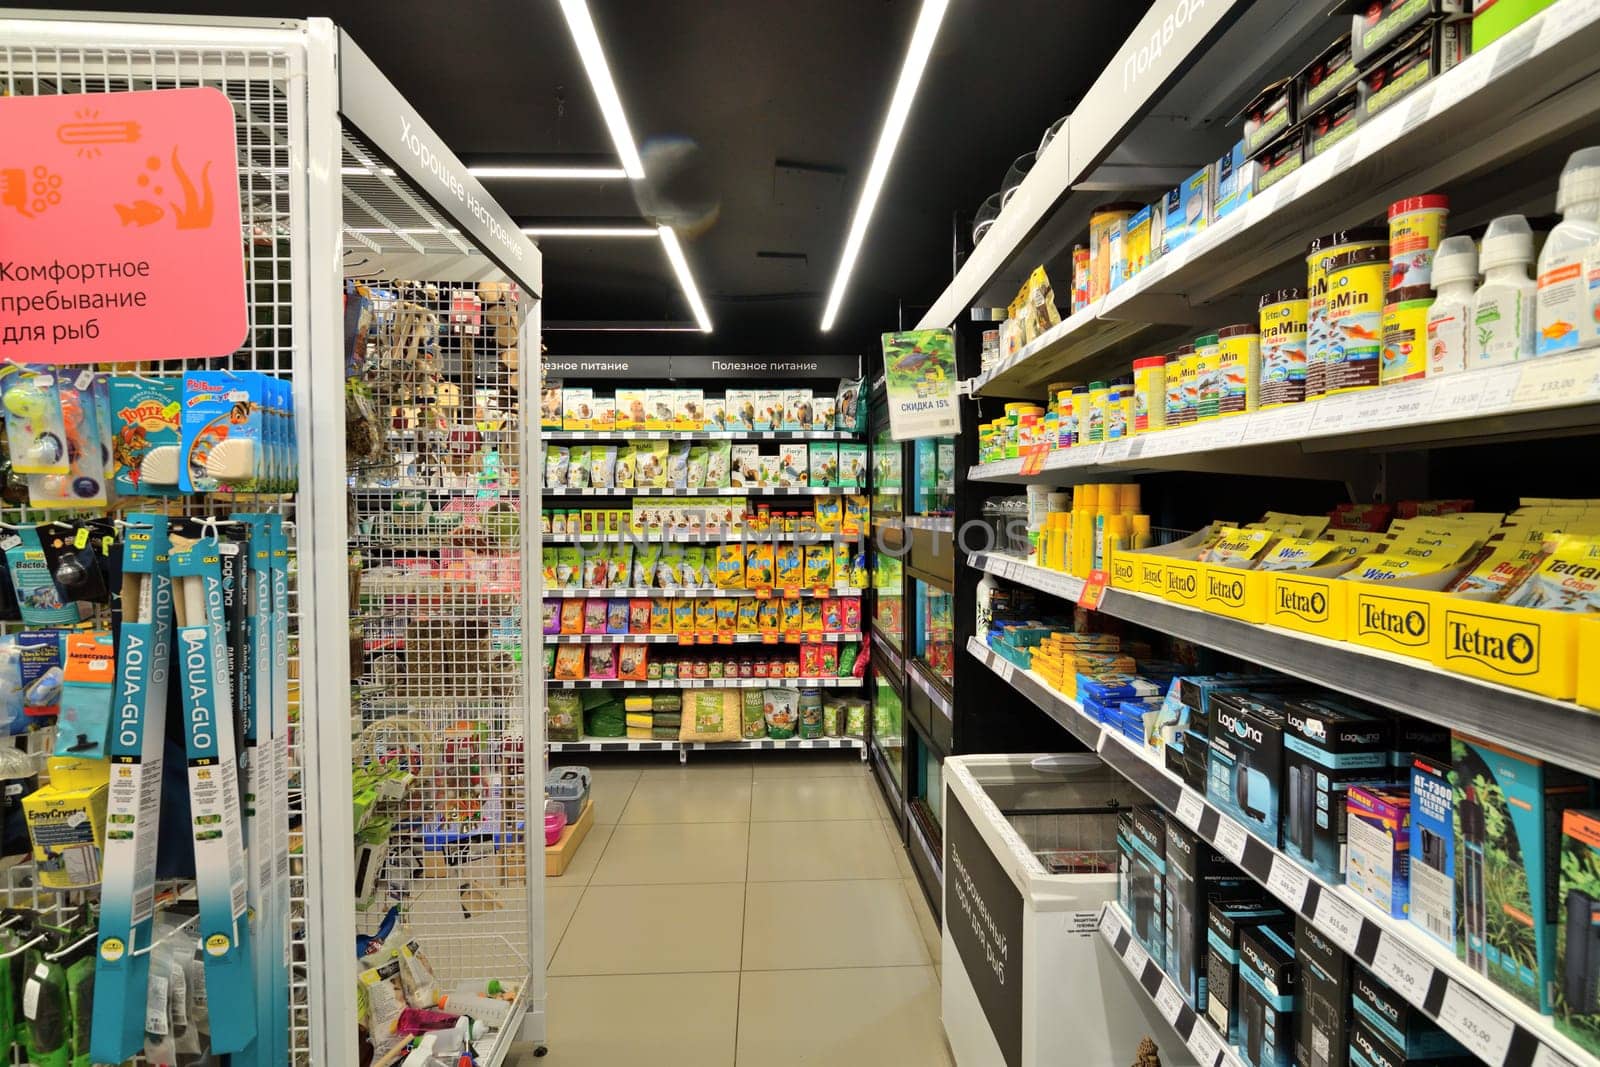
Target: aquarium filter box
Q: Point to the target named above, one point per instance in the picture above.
(1245, 765)
(1147, 889)
(1510, 809)
(1226, 924)
(1268, 996)
(1329, 745)
(1577, 1007)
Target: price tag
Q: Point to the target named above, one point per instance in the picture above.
(1467, 79)
(1403, 969)
(1033, 459)
(1458, 396)
(1550, 382)
(1333, 414)
(1287, 882)
(1110, 925)
(1485, 1032)
(1168, 1002)
(791, 594)
(769, 639)
(1093, 590)
(1190, 808)
(1339, 921)
(1545, 1058)
(724, 639)
(1137, 446)
(1514, 50)
(1499, 386)
(1280, 424)
(1230, 839)
(1559, 22)
(1136, 958)
(1205, 1043)
(1115, 451)
(685, 638)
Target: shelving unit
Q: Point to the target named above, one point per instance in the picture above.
(697, 435)
(1196, 1033)
(1488, 1021)
(670, 592)
(761, 490)
(690, 639)
(1555, 730)
(707, 683)
(615, 744)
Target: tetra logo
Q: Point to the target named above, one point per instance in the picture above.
(1227, 590)
(1181, 582)
(1405, 627)
(1312, 606)
(1505, 646)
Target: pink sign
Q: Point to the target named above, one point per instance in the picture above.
(119, 228)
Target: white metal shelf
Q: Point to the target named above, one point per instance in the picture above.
(1524, 92)
(718, 537)
(758, 490)
(1554, 730)
(707, 683)
(1197, 1034)
(1532, 398)
(685, 639)
(684, 590)
(622, 744)
(699, 435)
(1489, 1021)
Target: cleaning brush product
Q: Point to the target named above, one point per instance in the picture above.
(138, 736)
(214, 787)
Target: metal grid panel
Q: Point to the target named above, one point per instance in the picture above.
(435, 474)
(257, 82)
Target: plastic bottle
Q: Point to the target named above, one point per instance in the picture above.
(1455, 277)
(987, 588)
(1142, 537)
(1502, 308)
(1565, 319)
(477, 1006)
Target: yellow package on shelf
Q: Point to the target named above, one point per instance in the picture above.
(1310, 601)
(1234, 592)
(67, 822)
(1526, 648)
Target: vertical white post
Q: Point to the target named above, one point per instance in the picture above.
(322, 553)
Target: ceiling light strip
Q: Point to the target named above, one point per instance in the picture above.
(669, 241)
(589, 231)
(605, 89)
(551, 173)
(894, 123)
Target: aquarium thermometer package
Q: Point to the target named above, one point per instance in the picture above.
(138, 734)
(214, 787)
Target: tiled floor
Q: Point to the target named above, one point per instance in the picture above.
(754, 911)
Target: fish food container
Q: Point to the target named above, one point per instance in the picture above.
(1325, 77)
(1408, 68)
(1357, 282)
(1321, 254)
(1106, 228)
(1093, 423)
(1280, 159)
(1283, 348)
(1375, 26)
(1238, 369)
(1416, 226)
(1269, 115)
(1405, 334)
(1173, 376)
(1149, 394)
(1208, 392)
(1188, 386)
(1333, 123)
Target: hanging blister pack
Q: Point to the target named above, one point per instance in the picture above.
(35, 436)
(85, 409)
(75, 557)
(84, 726)
(38, 597)
(138, 736)
(145, 416)
(214, 786)
(224, 442)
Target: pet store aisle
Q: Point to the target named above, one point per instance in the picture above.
(715, 903)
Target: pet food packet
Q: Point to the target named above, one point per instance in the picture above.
(616, 616)
(748, 616)
(847, 660)
(646, 560)
(594, 616)
(551, 612)
(547, 560)
(579, 469)
(818, 565)
(695, 572)
(719, 464)
(569, 568)
(572, 616)
(596, 573)
(622, 475)
(678, 465)
(669, 572)
(753, 722)
(660, 615)
(780, 707)
(557, 459)
(570, 662)
(619, 565)
(1298, 554)
(696, 467)
(1567, 580)
(810, 661)
(603, 466)
(639, 616)
(728, 570)
(633, 662)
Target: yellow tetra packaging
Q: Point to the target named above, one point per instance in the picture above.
(67, 822)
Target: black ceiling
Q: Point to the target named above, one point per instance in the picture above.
(756, 121)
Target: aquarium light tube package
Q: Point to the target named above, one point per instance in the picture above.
(138, 734)
(214, 788)
(278, 702)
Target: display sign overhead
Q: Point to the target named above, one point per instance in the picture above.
(919, 372)
(119, 228)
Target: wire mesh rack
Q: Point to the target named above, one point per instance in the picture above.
(257, 83)
(438, 622)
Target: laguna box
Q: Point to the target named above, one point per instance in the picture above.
(1323, 1036)
(1226, 924)
(1147, 879)
(1196, 876)
(1329, 745)
(1245, 762)
(1268, 996)
(1413, 1036)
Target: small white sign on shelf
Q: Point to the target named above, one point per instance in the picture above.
(1404, 970)
(1499, 386)
(1287, 881)
(1457, 396)
(1546, 1058)
(1190, 808)
(1339, 921)
(1169, 1002)
(1111, 925)
(1136, 957)
(1205, 1043)
(1484, 1031)
(1230, 839)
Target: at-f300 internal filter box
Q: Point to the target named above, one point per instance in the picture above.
(1577, 994)
(1507, 886)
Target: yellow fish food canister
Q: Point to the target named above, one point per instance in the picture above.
(1319, 333)
(1357, 282)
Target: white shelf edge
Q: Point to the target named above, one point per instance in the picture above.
(705, 683)
(1332, 909)
(672, 639)
(678, 592)
(1202, 1040)
(698, 435)
(626, 744)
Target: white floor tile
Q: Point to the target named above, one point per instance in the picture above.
(817, 851)
(808, 925)
(860, 1017)
(675, 852)
(657, 929)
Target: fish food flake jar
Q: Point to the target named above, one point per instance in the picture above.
(1174, 390)
(1416, 226)
(1318, 333)
(1283, 347)
(1188, 386)
(1405, 334)
(1238, 369)
(1149, 394)
(1357, 282)
(1208, 387)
